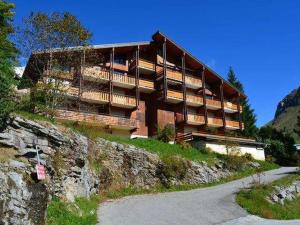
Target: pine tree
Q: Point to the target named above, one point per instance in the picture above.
(248, 115)
(7, 59)
(297, 130)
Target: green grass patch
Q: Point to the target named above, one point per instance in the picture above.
(82, 212)
(151, 145)
(254, 201)
(35, 117)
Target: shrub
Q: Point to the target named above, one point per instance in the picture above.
(174, 167)
(166, 134)
(248, 156)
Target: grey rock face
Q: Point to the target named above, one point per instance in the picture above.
(23, 199)
(282, 194)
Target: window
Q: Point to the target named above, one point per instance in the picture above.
(120, 59)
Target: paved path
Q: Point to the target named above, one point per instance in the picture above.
(205, 206)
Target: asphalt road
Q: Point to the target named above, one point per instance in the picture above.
(205, 206)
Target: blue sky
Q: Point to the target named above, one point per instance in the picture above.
(260, 39)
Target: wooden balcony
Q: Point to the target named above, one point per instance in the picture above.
(123, 81)
(194, 100)
(56, 73)
(97, 120)
(233, 125)
(213, 104)
(146, 86)
(118, 66)
(230, 107)
(95, 74)
(174, 74)
(214, 122)
(194, 119)
(123, 101)
(192, 82)
(145, 66)
(95, 96)
(174, 96)
(71, 91)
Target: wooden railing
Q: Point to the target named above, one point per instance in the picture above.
(123, 79)
(214, 103)
(123, 100)
(174, 74)
(146, 83)
(215, 121)
(95, 73)
(71, 91)
(146, 64)
(195, 118)
(175, 94)
(118, 66)
(95, 96)
(194, 81)
(230, 105)
(65, 75)
(232, 123)
(96, 119)
(194, 99)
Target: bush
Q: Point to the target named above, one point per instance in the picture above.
(174, 167)
(166, 134)
(248, 156)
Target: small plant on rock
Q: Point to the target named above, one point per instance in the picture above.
(166, 134)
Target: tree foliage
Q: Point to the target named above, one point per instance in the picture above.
(279, 145)
(297, 130)
(8, 54)
(51, 37)
(248, 115)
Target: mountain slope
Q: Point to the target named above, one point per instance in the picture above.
(286, 113)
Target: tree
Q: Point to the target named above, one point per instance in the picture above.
(51, 38)
(8, 54)
(297, 130)
(248, 115)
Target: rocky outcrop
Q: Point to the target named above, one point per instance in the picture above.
(23, 199)
(76, 166)
(282, 194)
(291, 100)
(125, 165)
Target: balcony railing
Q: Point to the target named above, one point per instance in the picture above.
(96, 119)
(123, 101)
(195, 119)
(192, 81)
(232, 124)
(124, 79)
(96, 74)
(213, 104)
(65, 75)
(194, 100)
(230, 106)
(71, 91)
(146, 83)
(175, 94)
(215, 122)
(174, 74)
(95, 96)
(118, 66)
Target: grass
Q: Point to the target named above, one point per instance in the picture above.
(254, 201)
(151, 145)
(6, 154)
(35, 116)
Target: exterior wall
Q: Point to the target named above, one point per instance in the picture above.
(140, 116)
(257, 153)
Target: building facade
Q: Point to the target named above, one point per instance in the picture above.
(135, 88)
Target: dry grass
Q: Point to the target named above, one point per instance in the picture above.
(7, 154)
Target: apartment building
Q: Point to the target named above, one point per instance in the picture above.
(134, 88)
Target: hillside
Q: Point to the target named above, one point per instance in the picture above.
(286, 113)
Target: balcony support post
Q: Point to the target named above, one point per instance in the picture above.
(137, 75)
(204, 95)
(222, 103)
(111, 72)
(165, 69)
(239, 110)
(184, 87)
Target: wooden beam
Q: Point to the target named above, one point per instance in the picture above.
(239, 110)
(165, 83)
(184, 87)
(222, 103)
(137, 76)
(204, 95)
